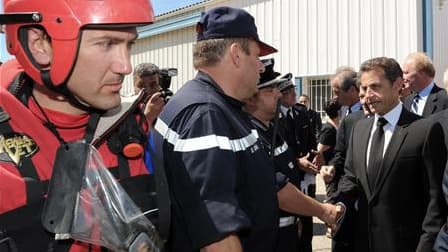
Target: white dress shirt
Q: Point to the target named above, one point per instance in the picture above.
(424, 94)
(392, 120)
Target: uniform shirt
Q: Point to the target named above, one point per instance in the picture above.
(221, 180)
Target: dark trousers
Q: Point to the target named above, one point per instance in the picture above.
(287, 239)
(343, 239)
(305, 241)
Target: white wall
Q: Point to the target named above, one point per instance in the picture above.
(314, 37)
(440, 37)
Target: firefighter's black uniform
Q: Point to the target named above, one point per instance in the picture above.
(221, 180)
(285, 165)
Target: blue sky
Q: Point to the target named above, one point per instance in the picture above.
(160, 6)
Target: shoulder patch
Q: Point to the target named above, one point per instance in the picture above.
(15, 146)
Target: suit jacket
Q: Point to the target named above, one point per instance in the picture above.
(437, 101)
(442, 118)
(405, 209)
(441, 243)
(340, 150)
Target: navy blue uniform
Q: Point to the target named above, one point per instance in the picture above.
(221, 180)
(285, 165)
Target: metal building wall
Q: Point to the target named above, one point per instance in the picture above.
(314, 37)
(317, 36)
(440, 39)
(171, 49)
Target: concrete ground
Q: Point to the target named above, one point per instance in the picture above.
(320, 242)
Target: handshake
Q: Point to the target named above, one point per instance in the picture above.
(332, 215)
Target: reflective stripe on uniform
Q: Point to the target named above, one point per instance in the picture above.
(205, 142)
(281, 149)
(286, 221)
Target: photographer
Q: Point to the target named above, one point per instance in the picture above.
(147, 77)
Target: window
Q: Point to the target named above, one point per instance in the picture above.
(319, 90)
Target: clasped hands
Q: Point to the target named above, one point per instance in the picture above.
(333, 215)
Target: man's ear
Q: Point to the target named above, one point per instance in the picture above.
(39, 46)
(398, 84)
(235, 52)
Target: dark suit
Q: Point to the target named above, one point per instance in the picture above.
(342, 140)
(441, 243)
(405, 209)
(442, 118)
(343, 240)
(437, 101)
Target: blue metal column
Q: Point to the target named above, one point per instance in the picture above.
(427, 28)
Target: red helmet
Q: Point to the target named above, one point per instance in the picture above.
(63, 21)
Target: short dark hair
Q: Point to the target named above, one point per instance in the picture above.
(209, 52)
(144, 69)
(348, 79)
(332, 108)
(391, 68)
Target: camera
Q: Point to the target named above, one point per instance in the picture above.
(165, 82)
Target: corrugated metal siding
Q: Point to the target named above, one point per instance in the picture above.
(314, 37)
(317, 36)
(172, 49)
(440, 23)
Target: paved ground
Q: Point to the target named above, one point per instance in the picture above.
(320, 242)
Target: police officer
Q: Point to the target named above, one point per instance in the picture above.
(263, 108)
(298, 132)
(70, 61)
(222, 183)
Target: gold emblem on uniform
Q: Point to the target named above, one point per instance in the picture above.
(15, 146)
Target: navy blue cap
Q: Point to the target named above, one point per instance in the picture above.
(268, 78)
(228, 22)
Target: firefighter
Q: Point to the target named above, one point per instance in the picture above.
(224, 191)
(70, 61)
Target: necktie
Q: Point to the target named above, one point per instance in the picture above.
(348, 111)
(376, 152)
(414, 106)
(290, 114)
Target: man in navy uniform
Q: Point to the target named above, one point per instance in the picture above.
(223, 186)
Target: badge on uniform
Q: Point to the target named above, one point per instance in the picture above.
(15, 146)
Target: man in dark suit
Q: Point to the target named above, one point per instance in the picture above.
(345, 90)
(428, 98)
(331, 173)
(398, 192)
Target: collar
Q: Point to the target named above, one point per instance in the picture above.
(284, 109)
(208, 80)
(258, 124)
(424, 93)
(392, 116)
(355, 107)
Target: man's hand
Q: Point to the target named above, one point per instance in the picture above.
(305, 165)
(153, 107)
(328, 172)
(318, 159)
(332, 214)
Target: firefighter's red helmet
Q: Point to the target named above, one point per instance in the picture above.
(63, 20)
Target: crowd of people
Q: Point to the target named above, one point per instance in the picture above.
(227, 163)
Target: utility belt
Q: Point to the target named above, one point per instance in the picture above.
(287, 221)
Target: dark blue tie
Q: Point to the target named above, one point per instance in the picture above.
(414, 106)
(376, 152)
